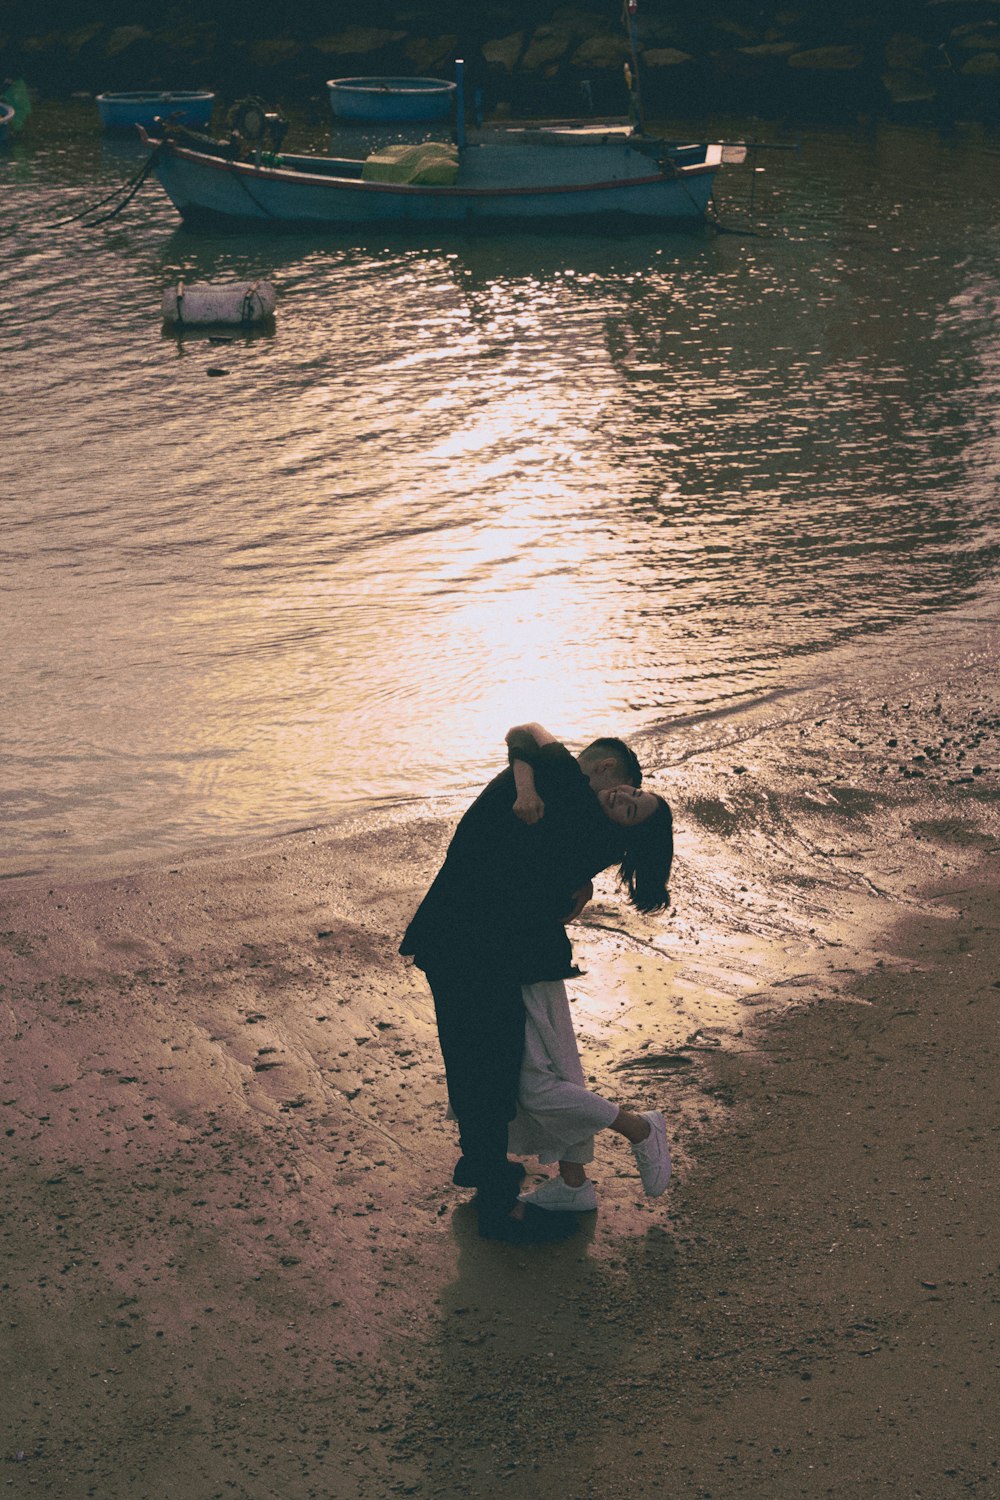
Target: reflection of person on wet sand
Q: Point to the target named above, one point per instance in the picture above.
(494, 921)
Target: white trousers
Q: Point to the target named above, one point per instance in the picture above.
(557, 1114)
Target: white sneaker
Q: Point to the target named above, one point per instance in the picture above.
(652, 1155)
(560, 1198)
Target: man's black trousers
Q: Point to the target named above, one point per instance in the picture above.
(480, 1022)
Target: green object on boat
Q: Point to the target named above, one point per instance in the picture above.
(429, 164)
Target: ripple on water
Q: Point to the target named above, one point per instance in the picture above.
(596, 482)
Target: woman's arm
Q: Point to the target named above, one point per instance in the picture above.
(528, 806)
(523, 743)
(533, 731)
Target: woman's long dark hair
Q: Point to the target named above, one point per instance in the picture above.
(649, 853)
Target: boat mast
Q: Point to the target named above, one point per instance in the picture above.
(632, 74)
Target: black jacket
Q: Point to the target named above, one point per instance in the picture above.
(499, 901)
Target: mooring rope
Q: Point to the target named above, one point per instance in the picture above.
(241, 179)
(129, 189)
(246, 306)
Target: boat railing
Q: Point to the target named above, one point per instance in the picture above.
(236, 150)
(323, 166)
(195, 140)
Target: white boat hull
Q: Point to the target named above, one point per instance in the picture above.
(204, 187)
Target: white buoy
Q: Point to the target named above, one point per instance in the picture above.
(241, 302)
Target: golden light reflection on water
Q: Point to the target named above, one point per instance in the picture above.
(507, 629)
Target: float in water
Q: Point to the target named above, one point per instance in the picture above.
(204, 304)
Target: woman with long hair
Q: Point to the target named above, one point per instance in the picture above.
(557, 1114)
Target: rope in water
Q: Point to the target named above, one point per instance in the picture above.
(125, 191)
(246, 306)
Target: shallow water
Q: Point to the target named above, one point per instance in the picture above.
(617, 485)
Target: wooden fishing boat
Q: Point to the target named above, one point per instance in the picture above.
(126, 111)
(589, 176)
(391, 99)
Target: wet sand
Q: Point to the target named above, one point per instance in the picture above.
(233, 1265)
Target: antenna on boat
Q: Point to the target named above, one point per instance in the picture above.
(629, 10)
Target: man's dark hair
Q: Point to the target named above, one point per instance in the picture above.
(626, 758)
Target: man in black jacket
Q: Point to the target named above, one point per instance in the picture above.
(494, 919)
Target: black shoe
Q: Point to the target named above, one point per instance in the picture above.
(538, 1227)
(463, 1175)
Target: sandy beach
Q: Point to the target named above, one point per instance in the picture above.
(233, 1263)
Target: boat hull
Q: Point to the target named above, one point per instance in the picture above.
(126, 111)
(205, 189)
(391, 99)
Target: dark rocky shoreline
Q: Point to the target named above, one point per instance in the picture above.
(908, 59)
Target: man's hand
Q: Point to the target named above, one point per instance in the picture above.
(529, 807)
(580, 899)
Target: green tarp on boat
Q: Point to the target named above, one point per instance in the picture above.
(430, 164)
